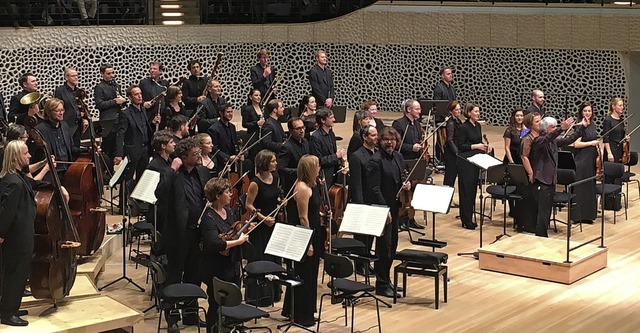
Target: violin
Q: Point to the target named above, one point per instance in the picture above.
(237, 228)
(326, 214)
(626, 151)
(406, 210)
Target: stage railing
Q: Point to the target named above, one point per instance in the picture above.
(601, 238)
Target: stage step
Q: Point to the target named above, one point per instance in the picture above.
(82, 288)
(94, 264)
(542, 258)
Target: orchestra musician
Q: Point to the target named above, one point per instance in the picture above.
(67, 93)
(306, 213)
(152, 86)
(512, 142)
(18, 210)
(217, 220)
(586, 147)
(308, 107)
(253, 119)
(208, 160)
(178, 125)
(18, 132)
(212, 107)
(372, 108)
(323, 145)
(537, 103)
(3, 112)
(358, 179)
(384, 180)
(451, 148)
(17, 111)
(613, 145)
(292, 150)
(262, 74)
(193, 87)
(444, 90)
(224, 136)
(174, 106)
(109, 102)
(321, 80)
(273, 141)
(186, 201)
(540, 147)
(364, 120)
(409, 128)
(469, 143)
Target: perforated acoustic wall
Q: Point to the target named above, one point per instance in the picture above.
(496, 78)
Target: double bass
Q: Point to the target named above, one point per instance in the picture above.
(84, 182)
(53, 267)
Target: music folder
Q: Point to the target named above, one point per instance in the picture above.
(145, 190)
(364, 219)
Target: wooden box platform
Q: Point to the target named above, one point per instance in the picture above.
(83, 287)
(542, 258)
(94, 264)
(86, 315)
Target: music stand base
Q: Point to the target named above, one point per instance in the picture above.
(290, 324)
(118, 280)
(476, 254)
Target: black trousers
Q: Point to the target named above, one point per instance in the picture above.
(386, 246)
(183, 263)
(15, 272)
(544, 202)
(450, 167)
(467, 189)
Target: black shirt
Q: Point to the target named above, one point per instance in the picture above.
(151, 88)
(194, 194)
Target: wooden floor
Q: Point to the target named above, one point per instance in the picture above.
(479, 301)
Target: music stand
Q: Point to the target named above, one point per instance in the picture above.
(566, 160)
(340, 113)
(290, 242)
(434, 199)
(438, 109)
(506, 175)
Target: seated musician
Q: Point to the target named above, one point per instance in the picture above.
(219, 258)
(57, 134)
(275, 140)
(224, 136)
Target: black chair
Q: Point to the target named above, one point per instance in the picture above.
(561, 199)
(612, 171)
(354, 250)
(257, 274)
(175, 296)
(339, 269)
(627, 176)
(229, 297)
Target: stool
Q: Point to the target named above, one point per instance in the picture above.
(425, 263)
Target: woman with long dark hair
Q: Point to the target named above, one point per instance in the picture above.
(253, 119)
(586, 147)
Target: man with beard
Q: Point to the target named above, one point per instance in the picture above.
(537, 101)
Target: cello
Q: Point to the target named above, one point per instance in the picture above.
(84, 182)
(338, 195)
(53, 267)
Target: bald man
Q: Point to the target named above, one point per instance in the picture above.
(537, 101)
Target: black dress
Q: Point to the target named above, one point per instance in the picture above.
(250, 120)
(514, 146)
(306, 295)
(586, 205)
(451, 152)
(169, 112)
(613, 139)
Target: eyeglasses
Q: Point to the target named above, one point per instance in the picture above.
(389, 139)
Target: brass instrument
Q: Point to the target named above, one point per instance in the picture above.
(36, 97)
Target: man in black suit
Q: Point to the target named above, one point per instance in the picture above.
(224, 136)
(186, 202)
(291, 152)
(152, 86)
(321, 80)
(444, 90)
(67, 93)
(411, 146)
(18, 211)
(18, 111)
(275, 140)
(3, 112)
(212, 107)
(384, 172)
(109, 102)
(133, 137)
(262, 74)
(193, 87)
(323, 145)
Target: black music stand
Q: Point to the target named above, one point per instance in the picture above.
(438, 109)
(340, 113)
(434, 199)
(566, 160)
(506, 175)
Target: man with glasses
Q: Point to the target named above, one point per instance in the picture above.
(384, 180)
(291, 152)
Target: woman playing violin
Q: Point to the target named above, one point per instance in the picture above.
(217, 221)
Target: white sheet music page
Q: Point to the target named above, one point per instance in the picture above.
(288, 241)
(485, 161)
(364, 219)
(432, 198)
(116, 176)
(145, 190)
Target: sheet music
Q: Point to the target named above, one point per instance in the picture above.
(364, 219)
(288, 241)
(116, 175)
(146, 188)
(432, 198)
(484, 161)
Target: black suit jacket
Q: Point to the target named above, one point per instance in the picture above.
(412, 137)
(18, 211)
(258, 81)
(103, 94)
(129, 138)
(443, 93)
(324, 146)
(224, 138)
(71, 111)
(275, 140)
(321, 83)
(384, 174)
(17, 111)
(151, 89)
(210, 114)
(192, 88)
(288, 159)
(162, 166)
(72, 147)
(358, 175)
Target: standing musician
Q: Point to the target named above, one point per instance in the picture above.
(410, 129)
(217, 220)
(18, 132)
(306, 212)
(512, 143)
(3, 112)
(364, 120)
(152, 86)
(613, 145)
(587, 145)
(193, 87)
(17, 232)
(321, 80)
(469, 143)
(537, 102)
(186, 201)
(451, 148)
(308, 107)
(384, 172)
(208, 160)
(540, 147)
(174, 106)
(212, 107)
(57, 134)
(262, 74)
(178, 125)
(292, 150)
(273, 141)
(323, 145)
(17, 111)
(253, 119)
(134, 135)
(372, 107)
(224, 136)
(109, 102)
(67, 93)
(444, 90)
(358, 181)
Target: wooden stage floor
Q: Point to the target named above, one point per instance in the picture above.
(479, 301)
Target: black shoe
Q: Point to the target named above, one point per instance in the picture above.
(587, 221)
(413, 224)
(193, 322)
(470, 226)
(27, 293)
(387, 292)
(305, 322)
(85, 22)
(399, 289)
(403, 227)
(28, 24)
(14, 321)
(173, 329)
